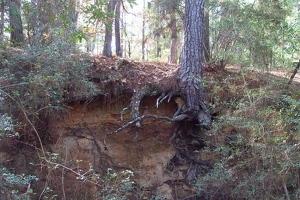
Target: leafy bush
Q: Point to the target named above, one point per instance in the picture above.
(13, 186)
(259, 156)
(116, 186)
(37, 80)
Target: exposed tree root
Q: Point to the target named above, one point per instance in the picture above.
(187, 140)
(139, 119)
(189, 126)
(135, 106)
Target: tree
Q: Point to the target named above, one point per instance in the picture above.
(165, 22)
(191, 64)
(143, 31)
(2, 18)
(107, 51)
(174, 40)
(206, 33)
(117, 29)
(16, 35)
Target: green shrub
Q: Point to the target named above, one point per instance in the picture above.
(13, 186)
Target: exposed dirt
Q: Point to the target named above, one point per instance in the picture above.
(81, 135)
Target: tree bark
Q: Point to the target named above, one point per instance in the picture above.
(107, 51)
(117, 29)
(16, 36)
(2, 18)
(143, 31)
(206, 33)
(191, 63)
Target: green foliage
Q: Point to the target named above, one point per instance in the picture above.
(254, 34)
(77, 36)
(132, 3)
(291, 112)
(258, 144)
(13, 186)
(41, 79)
(6, 124)
(116, 186)
(96, 11)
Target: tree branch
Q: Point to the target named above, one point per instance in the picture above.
(294, 73)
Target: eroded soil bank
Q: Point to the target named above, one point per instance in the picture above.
(80, 148)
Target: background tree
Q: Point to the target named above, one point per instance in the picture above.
(16, 33)
(107, 49)
(206, 32)
(143, 30)
(246, 33)
(2, 18)
(117, 29)
(167, 23)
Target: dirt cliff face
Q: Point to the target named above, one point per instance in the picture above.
(81, 134)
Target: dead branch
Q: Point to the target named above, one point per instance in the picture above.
(294, 73)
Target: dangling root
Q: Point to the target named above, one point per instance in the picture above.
(163, 97)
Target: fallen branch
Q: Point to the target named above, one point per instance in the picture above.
(294, 73)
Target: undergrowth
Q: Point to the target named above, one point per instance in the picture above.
(16, 186)
(39, 80)
(259, 156)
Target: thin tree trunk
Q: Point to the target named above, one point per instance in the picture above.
(124, 34)
(191, 63)
(16, 36)
(73, 17)
(107, 51)
(174, 40)
(294, 73)
(206, 33)
(129, 49)
(117, 30)
(2, 18)
(158, 48)
(143, 31)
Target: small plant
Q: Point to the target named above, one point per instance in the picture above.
(13, 186)
(116, 186)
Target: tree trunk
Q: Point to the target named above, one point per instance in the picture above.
(73, 16)
(39, 25)
(129, 49)
(117, 30)
(174, 40)
(72, 20)
(16, 36)
(143, 31)
(191, 62)
(2, 18)
(158, 48)
(294, 73)
(206, 33)
(108, 29)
